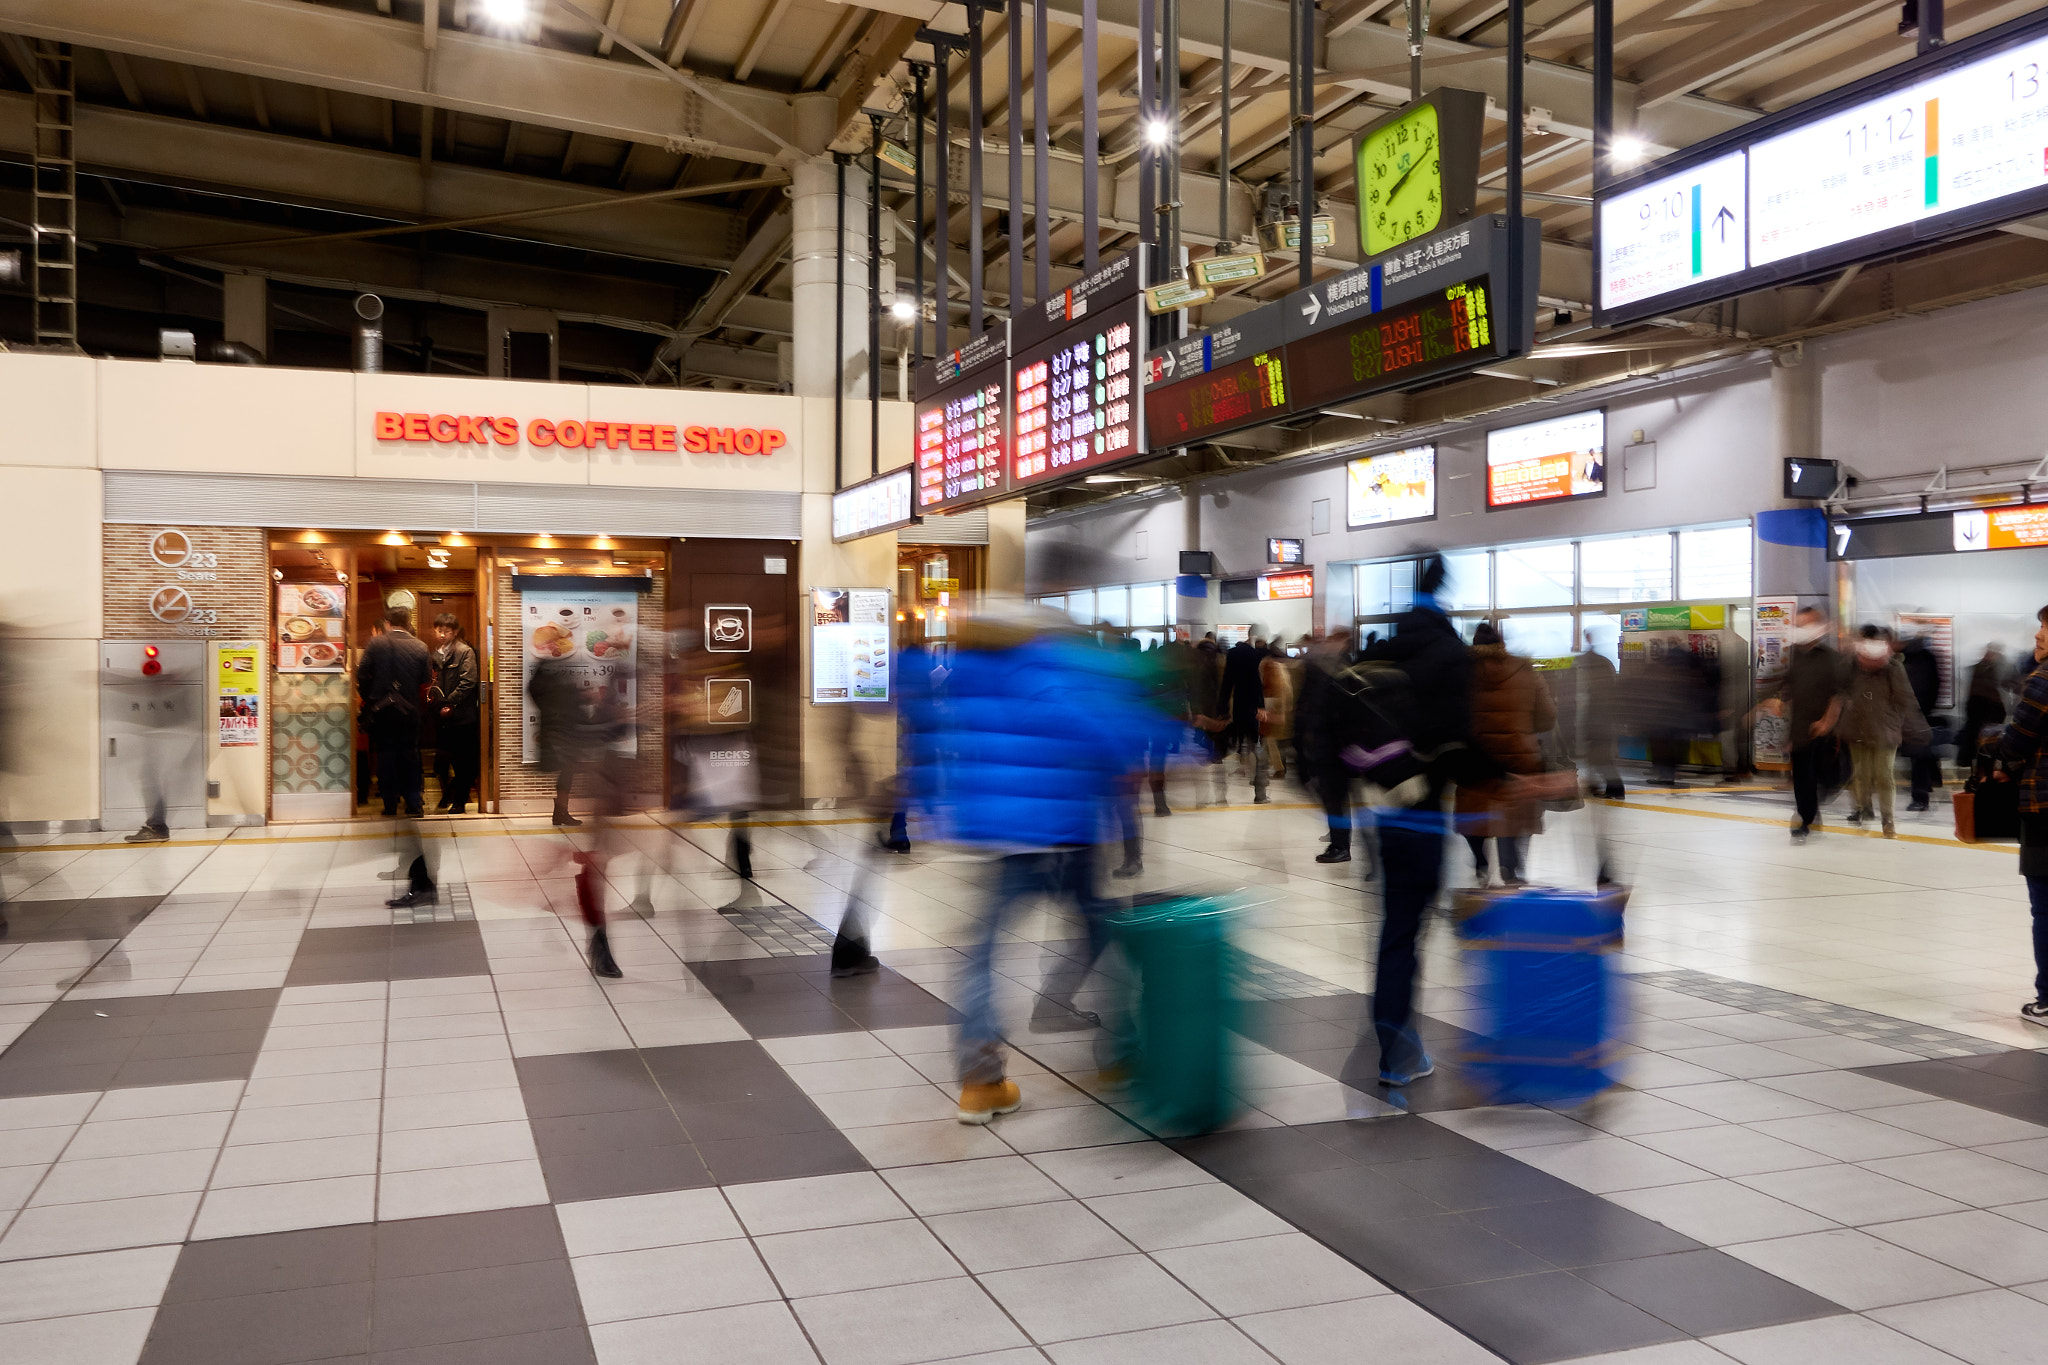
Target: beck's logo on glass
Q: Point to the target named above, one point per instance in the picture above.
(729, 629)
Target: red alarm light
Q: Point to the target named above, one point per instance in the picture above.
(151, 665)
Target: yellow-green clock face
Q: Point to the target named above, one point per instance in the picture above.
(1400, 181)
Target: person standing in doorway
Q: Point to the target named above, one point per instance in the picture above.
(457, 686)
(1923, 673)
(392, 677)
(1878, 714)
(564, 719)
(1599, 693)
(1810, 696)
(2025, 741)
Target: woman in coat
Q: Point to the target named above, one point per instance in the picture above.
(1276, 682)
(1510, 707)
(1878, 711)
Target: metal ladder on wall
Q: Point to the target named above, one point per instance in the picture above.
(54, 214)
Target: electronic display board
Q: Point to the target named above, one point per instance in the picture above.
(1392, 486)
(1242, 394)
(1561, 458)
(960, 425)
(1945, 143)
(883, 503)
(1285, 550)
(1445, 329)
(1076, 399)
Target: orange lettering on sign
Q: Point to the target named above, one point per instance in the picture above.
(570, 434)
(540, 432)
(442, 428)
(693, 440)
(445, 429)
(416, 426)
(772, 441)
(390, 426)
(664, 438)
(505, 430)
(641, 437)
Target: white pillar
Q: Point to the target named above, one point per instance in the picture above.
(814, 215)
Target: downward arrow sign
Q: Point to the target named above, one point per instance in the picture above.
(1312, 310)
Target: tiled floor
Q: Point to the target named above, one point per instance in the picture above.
(246, 1117)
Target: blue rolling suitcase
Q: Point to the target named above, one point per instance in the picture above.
(1539, 961)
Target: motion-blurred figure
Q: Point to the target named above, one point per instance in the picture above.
(1923, 674)
(582, 723)
(1205, 678)
(1019, 762)
(1878, 714)
(1241, 705)
(1316, 740)
(1427, 648)
(1983, 703)
(1510, 707)
(1809, 695)
(1598, 700)
(1276, 680)
(562, 734)
(458, 683)
(2025, 741)
(1132, 660)
(913, 684)
(392, 677)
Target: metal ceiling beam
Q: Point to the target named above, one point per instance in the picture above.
(174, 151)
(1738, 42)
(365, 54)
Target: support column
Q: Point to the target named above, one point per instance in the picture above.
(815, 265)
(245, 312)
(1791, 539)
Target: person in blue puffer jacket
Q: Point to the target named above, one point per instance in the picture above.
(1018, 761)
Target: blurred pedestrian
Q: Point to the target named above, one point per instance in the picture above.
(1598, 699)
(1983, 704)
(1019, 762)
(1240, 704)
(1878, 713)
(1412, 827)
(1510, 708)
(2025, 741)
(392, 677)
(565, 719)
(913, 682)
(1205, 680)
(1316, 741)
(455, 693)
(1923, 675)
(1276, 681)
(1809, 696)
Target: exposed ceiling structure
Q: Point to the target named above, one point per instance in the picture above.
(649, 144)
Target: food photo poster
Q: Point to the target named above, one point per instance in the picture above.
(592, 633)
(849, 644)
(309, 628)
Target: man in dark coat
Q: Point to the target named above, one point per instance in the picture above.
(1923, 675)
(392, 677)
(457, 687)
(1810, 696)
(1240, 701)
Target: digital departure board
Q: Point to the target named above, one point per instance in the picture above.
(1242, 394)
(1076, 399)
(960, 442)
(1445, 329)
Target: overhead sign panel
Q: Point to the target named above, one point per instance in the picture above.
(1674, 232)
(960, 426)
(886, 502)
(1946, 143)
(1077, 398)
(1443, 331)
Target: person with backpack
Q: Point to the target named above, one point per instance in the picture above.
(1407, 728)
(392, 676)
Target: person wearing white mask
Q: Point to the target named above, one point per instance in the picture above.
(1878, 713)
(1811, 692)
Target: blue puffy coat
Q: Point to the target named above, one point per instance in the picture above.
(1025, 745)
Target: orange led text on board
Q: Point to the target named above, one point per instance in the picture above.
(541, 432)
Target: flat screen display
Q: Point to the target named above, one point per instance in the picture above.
(873, 505)
(1390, 487)
(1564, 457)
(1284, 550)
(960, 443)
(1240, 394)
(1076, 400)
(1674, 233)
(1445, 329)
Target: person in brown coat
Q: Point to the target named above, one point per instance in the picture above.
(1879, 712)
(1510, 707)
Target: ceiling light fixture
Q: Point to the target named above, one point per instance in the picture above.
(1627, 151)
(505, 13)
(903, 310)
(1157, 132)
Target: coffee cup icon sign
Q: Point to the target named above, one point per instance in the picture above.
(727, 628)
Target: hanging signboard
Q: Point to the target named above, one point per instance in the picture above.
(1079, 408)
(960, 425)
(1548, 461)
(886, 502)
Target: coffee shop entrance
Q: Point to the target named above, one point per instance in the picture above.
(331, 593)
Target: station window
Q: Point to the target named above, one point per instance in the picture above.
(1468, 581)
(1626, 569)
(1533, 576)
(1713, 564)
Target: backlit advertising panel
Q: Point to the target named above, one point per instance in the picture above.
(1548, 461)
(1392, 486)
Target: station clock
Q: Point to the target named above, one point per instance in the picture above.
(1418, 169)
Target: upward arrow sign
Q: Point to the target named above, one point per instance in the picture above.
(1722, 220)
(1313, 309)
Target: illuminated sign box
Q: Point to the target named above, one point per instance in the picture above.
(2001, 528)
(1391, 487)
(883, 503)
(1444, 330)
(960, 426)
(1284, 550)
(1549, 461)
(1074, 391)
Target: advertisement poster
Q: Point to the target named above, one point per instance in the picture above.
(849, 644)
(310, 636)
(1397, 485)
(240, 696)
(1565, 457)
(592, 632)
(1774, 617)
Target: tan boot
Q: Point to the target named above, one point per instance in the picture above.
(980, 1103)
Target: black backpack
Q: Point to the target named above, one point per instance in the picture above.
(1372, 725)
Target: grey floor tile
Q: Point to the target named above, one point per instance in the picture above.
(1186, 1216)
(1093, 1298)
(1026, 1235)
(899, 1325)
(1267, 1274)
(1194, 1343)
(1850, 1194)
(1855, 1269)
(1397, 1329)
(467, 1241)
(277, 1328)
(1982, 1243)
(815, 1202)
(1996, 1327)
(1581, 1231)
(960, 1186)
(561, 1346)
(1847, 1338)
(867, 1256)
(234, 1267)
(783, 1156)
(679, 1279)
(471, 1305)
(750, 1334)
(1721, 1212)
(1705, 1292)
(1414, 1254)
(1531, 1319)
(1971, 1177)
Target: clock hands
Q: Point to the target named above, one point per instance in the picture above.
(1395, 188)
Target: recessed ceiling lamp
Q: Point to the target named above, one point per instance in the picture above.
(1157, 132)
(1627, 151)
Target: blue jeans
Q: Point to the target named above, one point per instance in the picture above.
(1411, 863)
(2037, 900)
(1065, 874)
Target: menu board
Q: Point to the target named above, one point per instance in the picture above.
(592, 632)
(1392, 486)
(1241, 394)
(241, 695)
(1077, 400)
(849, 644)
(1564, 457)
(310, 637)
(1444, 329)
